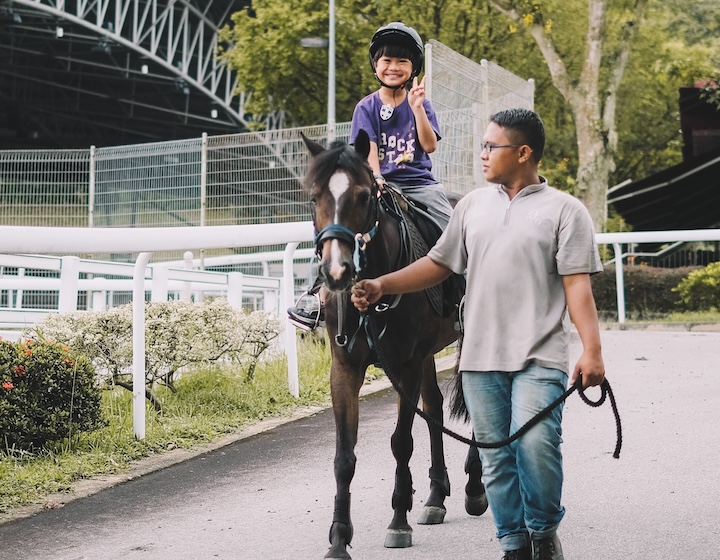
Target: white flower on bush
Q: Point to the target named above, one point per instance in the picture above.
(177, 334)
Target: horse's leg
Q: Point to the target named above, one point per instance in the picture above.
(345, 389)
(476, 502)
(399, 532)
(434, 511)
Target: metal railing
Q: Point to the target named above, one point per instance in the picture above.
(21, 240)
(246, 178)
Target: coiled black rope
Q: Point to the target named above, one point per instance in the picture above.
(606, 391)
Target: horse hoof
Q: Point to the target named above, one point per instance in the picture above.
(476, 505)
(432, 515)
(337, 555)
(398, 538)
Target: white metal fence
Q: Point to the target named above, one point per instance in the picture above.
(18, 240)
(464, 94)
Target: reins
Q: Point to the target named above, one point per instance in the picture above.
(606, 391)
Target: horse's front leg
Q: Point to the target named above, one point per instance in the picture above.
(399, 533)
(433, 512)
(345, 389)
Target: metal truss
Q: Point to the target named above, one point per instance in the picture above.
(151, 59)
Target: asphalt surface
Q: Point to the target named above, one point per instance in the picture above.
(270, 495)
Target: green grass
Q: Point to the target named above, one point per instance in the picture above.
(208, 404)
(694, 317)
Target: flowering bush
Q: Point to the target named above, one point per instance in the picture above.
(46, 393)
(177, 334)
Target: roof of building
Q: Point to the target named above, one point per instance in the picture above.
(685, 196)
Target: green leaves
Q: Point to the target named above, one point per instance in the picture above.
(46, 393)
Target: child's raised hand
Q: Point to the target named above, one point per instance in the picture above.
(416, 95)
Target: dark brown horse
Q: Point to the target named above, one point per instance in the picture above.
(359, 235)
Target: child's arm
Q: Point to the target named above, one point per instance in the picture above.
(374, 159)
(426, 134)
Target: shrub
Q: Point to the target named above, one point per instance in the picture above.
(648, 291)
(178, 334)
(701, 289)
(46, 394)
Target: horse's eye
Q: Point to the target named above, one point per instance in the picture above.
(313, 201)
(363, 197)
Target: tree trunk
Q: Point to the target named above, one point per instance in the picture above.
(595, 163)
(149, 395)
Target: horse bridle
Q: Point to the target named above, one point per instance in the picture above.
(357, 240)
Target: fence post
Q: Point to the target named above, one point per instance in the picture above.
(235, 289)
(203, 189)
(91, 189)
(99, 297)
(160, 276)
(619, 282)
(69, 272)
(288, 295)
(139, 344)
(186, 294)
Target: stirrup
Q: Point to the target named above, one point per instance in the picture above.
(307, 318)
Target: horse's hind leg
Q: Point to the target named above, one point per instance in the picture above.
(476, 502)
(345, 389)
(434, 511)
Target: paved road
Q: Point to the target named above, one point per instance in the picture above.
(270, 496)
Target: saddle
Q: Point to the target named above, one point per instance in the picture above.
(422, 232)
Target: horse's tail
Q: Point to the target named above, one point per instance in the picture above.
(457, 398)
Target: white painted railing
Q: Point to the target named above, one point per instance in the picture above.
(108, 277)
(18, 240)
(617, 240)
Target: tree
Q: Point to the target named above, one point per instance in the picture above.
(607, 72)
(589, 84)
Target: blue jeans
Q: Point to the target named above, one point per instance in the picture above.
(524, 479)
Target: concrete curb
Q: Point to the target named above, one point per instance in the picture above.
(147, 465)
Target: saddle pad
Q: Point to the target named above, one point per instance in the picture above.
(419, 248)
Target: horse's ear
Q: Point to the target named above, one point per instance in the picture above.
(362, 144)
(313, 146)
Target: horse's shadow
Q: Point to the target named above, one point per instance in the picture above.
(359, 234)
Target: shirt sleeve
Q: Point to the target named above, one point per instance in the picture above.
(450, 250)
(432, 117)
(362, 120)
(577, 251)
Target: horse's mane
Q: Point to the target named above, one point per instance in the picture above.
(339, 156)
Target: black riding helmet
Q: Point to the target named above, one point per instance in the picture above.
(397, 33)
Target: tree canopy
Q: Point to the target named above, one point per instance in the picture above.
(607, 72)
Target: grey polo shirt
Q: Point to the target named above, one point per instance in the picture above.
(515, 254)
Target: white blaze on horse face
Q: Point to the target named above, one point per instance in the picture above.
(339, 184)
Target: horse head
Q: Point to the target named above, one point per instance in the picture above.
(343, 194)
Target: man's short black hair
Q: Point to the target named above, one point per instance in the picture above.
(525, 127)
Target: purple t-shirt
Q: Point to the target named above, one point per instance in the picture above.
(402, 159)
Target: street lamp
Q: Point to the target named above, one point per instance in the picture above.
(329, 43)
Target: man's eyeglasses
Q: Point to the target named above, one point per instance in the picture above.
(490, 147)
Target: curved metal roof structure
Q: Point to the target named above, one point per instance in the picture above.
(106, 72)
(685, 196)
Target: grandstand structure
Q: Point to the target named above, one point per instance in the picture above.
(106, 72)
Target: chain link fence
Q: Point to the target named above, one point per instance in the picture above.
(241, 178)
(464, 95)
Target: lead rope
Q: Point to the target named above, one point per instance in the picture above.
(604, 387)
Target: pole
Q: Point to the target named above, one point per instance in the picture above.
(331, 74)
